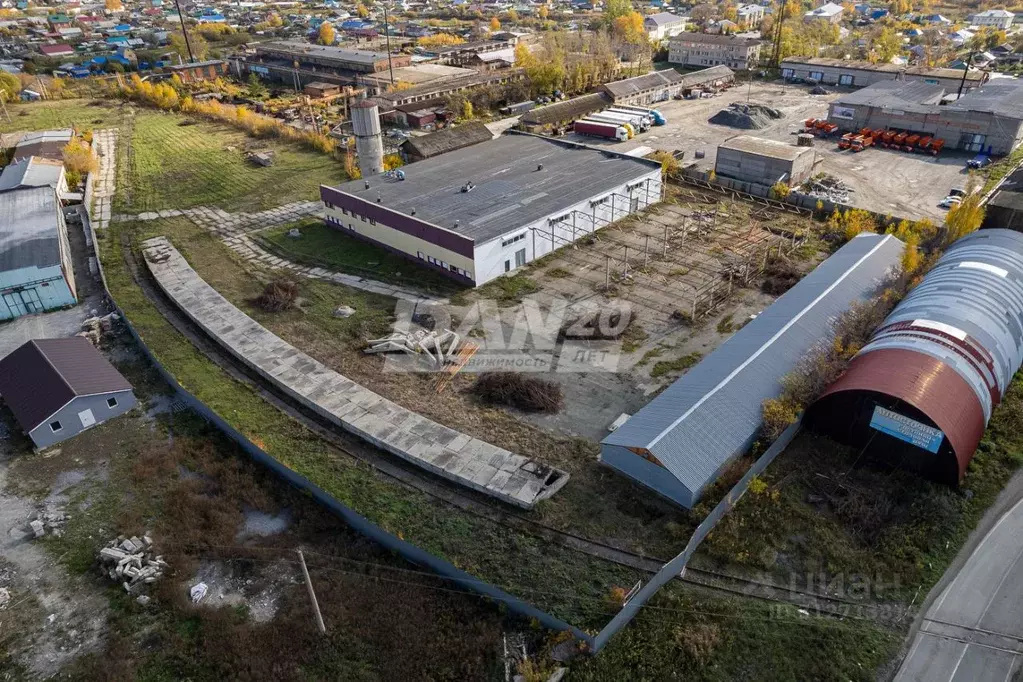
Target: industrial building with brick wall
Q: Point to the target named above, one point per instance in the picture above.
(481, 211)
(860, 74)
(920, 393)
(766, 162)
(988, 119)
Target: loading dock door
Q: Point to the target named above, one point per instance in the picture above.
(30, 297)
(15, 305)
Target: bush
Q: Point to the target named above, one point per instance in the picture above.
(780, 190)
(521, 391)
(279, 295)
(780, 275)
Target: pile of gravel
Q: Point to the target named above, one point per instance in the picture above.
(820, 90)
(746, 116)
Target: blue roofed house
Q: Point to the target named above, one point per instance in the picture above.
(680, 442)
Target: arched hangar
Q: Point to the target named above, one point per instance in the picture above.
(920, 393)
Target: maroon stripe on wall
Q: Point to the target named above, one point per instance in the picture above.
(456, 243)
(461, 279)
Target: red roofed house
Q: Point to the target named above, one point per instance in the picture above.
(57, 50)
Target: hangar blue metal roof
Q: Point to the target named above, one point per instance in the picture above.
(713, 413)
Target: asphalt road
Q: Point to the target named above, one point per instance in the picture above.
(973, 632)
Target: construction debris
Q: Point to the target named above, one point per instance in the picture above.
(198, 591)
(422, 343)
(746, 116)
(5, 598)
(820, 90)
(130, 562)
(294, 233)
(827, 187)
(38, 528)
(94, 327)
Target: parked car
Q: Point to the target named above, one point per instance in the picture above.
(950, 201)
(979, 161)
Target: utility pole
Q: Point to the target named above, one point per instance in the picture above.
(184, 32)
(966, 71)
(312, 594)
(777, 38)
(387, 39)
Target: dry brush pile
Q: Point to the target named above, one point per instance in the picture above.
(521, 391)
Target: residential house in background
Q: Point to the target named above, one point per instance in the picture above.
(703, 49)
(750, 15)
(995, 18)
(829, 12)
(663, 25)
(58, 388)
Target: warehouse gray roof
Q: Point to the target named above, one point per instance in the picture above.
(31, 172)
(632, 86)
(765, 147)
(914, 96)
(568, 109)
(28, 228)
(447, 139)
(713, 413)
(663, 19)
(510, 192)
(323, 51)
(714, 39)
(1000, 97)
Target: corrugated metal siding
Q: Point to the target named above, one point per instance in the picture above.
(709, 416)
(966, 318)
(896, 379)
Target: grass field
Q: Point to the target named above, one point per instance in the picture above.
(83, 113)
(324, 247)
(183, 166)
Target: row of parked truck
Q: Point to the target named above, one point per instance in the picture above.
(619, 123)
(892, 139)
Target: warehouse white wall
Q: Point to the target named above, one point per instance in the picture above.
(589, 216)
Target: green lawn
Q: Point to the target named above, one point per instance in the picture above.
(60, 114)
(324, 247)
(203, 164)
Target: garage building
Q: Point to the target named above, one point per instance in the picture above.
(920, 393)
(681, 441)
(35, 258)
(57, 388)
(481, 211)
(766, 162)
(988, 119)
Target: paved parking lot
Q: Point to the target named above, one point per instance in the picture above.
(905, 185)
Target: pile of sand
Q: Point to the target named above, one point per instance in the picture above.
(746, 116)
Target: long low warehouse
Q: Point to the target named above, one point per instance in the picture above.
(921, 392)
(988, 119)
(479, 212)
(681, 441)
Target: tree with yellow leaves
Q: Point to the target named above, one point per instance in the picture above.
(512, 15)
(440, 40)
(326, 35)
(361, 10)
(543, 12)
(630, 28)
(964, 218)
(113, 5)
(495, 24)
(885, 46)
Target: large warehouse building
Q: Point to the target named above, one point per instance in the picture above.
(921, 392)
(860, 74)
(35, 258)
(681, 441)
(479, 212)
(988, 119)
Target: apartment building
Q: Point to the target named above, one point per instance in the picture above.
(703, 49)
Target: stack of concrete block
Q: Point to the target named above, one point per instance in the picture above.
(131, 562)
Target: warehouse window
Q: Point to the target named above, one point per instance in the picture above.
(598, 202)
(55, 426)
(344, 211)
(111, 402)
(512, 240)
(420, 254)
(559, 219)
